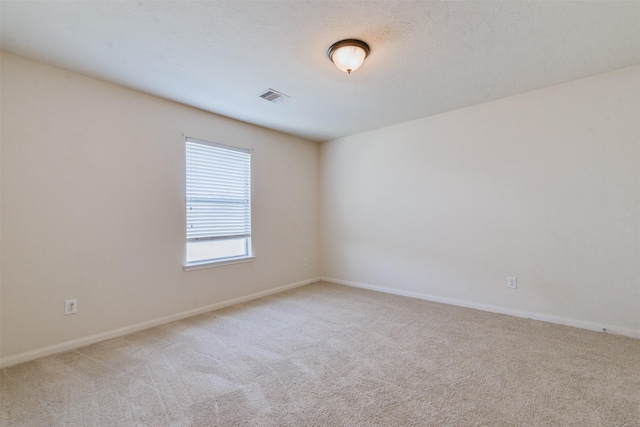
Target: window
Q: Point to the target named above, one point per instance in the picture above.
(218, 201)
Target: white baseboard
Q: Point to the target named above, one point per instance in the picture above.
(81, 342)
(494, 309)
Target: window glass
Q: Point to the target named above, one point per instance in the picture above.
(218, 202)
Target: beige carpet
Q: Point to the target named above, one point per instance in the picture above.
(329, 355)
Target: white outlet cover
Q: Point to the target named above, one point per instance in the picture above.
(70, 306)
(512, 282)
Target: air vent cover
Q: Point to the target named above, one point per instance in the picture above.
(274, 96)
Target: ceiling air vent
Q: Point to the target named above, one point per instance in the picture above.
(274, 96)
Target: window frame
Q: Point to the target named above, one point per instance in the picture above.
(214, 262)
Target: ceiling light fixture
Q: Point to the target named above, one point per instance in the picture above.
(348, 55)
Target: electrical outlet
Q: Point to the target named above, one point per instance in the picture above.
(512, 282)
(306, 262)
(70, 306)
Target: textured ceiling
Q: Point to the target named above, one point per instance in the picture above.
(426, 57)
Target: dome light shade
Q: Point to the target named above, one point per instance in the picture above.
(348, 55)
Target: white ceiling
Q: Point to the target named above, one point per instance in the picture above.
(427, 57)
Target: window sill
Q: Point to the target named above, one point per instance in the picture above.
(209, 264)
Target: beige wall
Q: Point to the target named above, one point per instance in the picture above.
(544, 186)
(92, 205)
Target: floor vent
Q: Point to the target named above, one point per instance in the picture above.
(274, 96)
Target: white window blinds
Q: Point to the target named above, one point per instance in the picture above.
(218, 191)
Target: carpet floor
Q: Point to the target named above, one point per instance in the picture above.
(331, 355)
